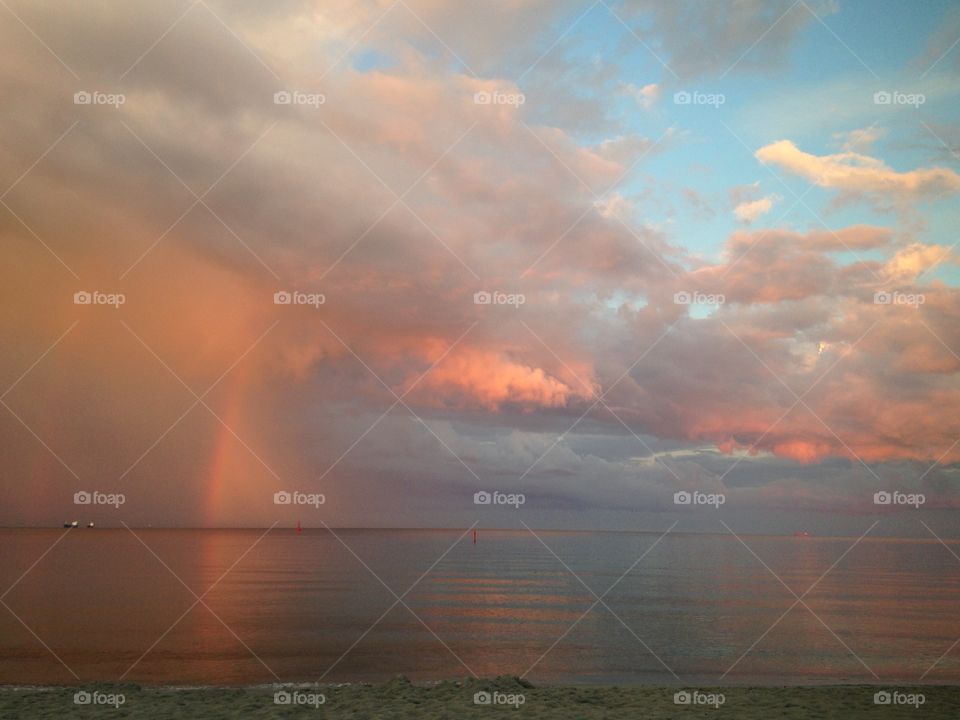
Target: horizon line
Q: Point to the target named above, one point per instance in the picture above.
(466, 530)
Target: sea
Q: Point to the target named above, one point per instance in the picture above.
(251, 606)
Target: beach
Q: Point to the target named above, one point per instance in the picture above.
(508, 697)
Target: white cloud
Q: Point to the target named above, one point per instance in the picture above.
(747, 212)
(855, 173)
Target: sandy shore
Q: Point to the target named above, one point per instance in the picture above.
(502, 697)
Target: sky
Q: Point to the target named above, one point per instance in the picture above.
(387, 255)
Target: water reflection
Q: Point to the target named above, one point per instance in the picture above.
(296, 604)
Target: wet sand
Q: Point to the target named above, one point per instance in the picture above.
(507, 697)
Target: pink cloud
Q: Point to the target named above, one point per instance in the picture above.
(480, 378)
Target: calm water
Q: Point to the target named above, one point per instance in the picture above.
(299, 607)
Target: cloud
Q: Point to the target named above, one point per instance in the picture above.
(700, 205)
(697, 39)
(937, 55)
(492, 197)
(909, 262)
(855, 174)
(860, 140)
(487, 379)
(747, 212)
(646, 96)
(749, 204)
